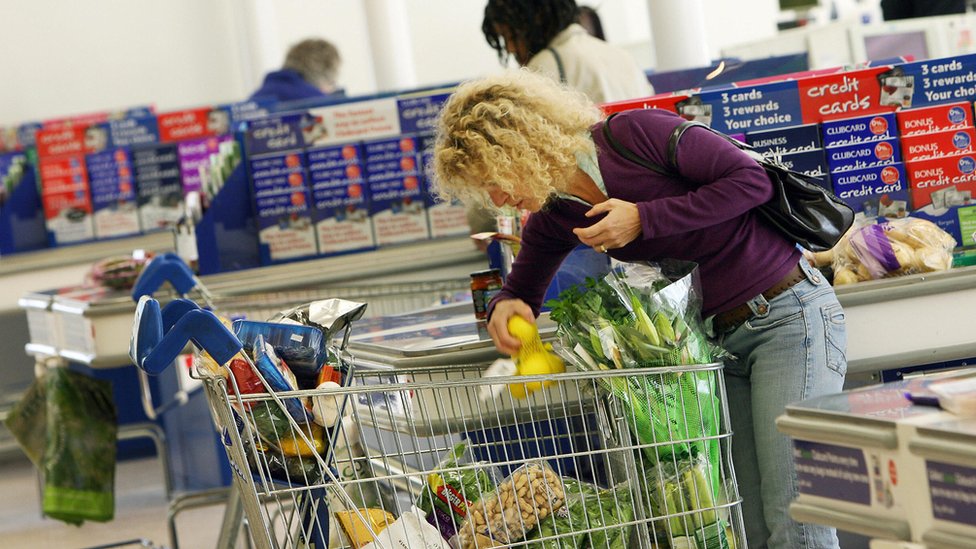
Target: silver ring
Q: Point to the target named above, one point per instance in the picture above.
(603, 249)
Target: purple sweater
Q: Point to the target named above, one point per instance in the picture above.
(706, 218)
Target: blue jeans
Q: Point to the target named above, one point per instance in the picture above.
(795, 351)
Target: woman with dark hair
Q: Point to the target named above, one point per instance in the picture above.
(590, 20)
(544, 36)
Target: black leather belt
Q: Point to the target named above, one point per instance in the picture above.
(731, 319)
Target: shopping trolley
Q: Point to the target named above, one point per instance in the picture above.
(417, 456)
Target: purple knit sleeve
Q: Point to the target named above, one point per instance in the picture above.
(727, 182)
(541, 253)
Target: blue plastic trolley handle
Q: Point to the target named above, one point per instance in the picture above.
(174, 310)
(153, 351)
(164, 268)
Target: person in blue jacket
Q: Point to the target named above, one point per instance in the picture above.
(310, 70)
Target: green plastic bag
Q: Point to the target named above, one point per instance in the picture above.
(67, 425)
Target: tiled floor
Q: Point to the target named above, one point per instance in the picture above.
(140, 512)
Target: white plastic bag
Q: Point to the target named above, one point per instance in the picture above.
(410, 530)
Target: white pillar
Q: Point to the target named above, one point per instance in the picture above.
(259, 46)
(389, 39)
(678, 34)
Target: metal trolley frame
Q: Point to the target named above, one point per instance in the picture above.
(397, 427)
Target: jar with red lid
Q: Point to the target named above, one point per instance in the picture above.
(485, 285)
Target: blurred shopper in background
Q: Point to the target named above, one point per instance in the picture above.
(907, 9)
(547, 36)
(589, 19)
(544, 36)
(311, 70)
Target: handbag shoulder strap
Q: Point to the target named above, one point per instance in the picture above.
(559, 64)
(623, 151)
(682, 127)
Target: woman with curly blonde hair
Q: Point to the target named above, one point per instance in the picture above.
(520, 140)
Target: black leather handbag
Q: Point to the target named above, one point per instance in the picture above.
(801, 209)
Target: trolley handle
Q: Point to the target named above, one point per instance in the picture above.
(153, 351)
(161, 269)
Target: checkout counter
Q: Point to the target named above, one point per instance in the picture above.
(870, 461)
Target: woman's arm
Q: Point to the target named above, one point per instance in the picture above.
(725, 182)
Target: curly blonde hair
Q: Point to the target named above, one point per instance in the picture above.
(516, 129)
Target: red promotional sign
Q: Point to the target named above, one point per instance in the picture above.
(64, 185)
(182, 125)
(667, 102)
(841, 95)
(61, 141)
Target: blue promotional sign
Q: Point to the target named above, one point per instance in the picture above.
(277, 134)
(340, 201)
(935, 81)
(878, 191)
(754, 108)
(783, 141)
(129, 132)
(419, 114)
(834, 472)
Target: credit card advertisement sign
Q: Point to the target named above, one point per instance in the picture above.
(129, 132)
(65, 199)
(935, 81)
(339, 198)
(942, 182)
(158, 186)
(281, 202)
(395, 190)
(877, 191)
(350, 122)
(755, 108)
(113, 193)
(195, 155)
(842, 95)
(193, 124)
(65, 194)
(419, 114)
(281, 190)
(444, 218)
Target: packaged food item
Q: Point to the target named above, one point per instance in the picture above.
(485, 285)
(891, 248)
(452, 488)
(274, 428)
(530, 494)
(327, 408)
(682, 491)
(587, 508)
(279, 378)
(410, 530)
(301, 347)
(361, 525)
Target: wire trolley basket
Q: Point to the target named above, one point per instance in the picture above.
(443, 457)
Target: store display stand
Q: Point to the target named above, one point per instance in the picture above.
(22, 218)
(227, 235)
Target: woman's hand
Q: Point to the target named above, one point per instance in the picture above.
(498, 324)
(621, 226)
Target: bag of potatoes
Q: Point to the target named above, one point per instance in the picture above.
(892, 247)
(531, 493)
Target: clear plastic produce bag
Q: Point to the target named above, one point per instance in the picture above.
(66, 423)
